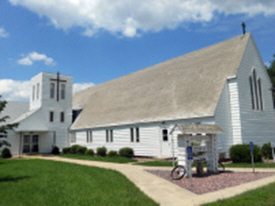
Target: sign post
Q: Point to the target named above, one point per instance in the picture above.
(190, 159)
(272, 149)
(252, 156)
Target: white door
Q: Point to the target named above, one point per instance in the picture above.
(30, 144)
(165, 144)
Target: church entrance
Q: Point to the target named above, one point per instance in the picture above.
(30, 144)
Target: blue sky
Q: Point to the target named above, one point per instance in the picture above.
(96, 41)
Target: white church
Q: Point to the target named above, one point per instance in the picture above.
(225, 84)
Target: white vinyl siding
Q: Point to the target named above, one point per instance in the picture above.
(257, 125)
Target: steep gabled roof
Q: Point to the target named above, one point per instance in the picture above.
(14, 109)
(188, 86)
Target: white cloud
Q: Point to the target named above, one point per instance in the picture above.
(34, 56)
(132, 17)
(13, 90)
(3, 33)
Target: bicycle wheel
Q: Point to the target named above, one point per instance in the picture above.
(178, 172)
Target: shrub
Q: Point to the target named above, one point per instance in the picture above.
(241, 153)
(74, 149)
(126, 152)
(55, 150)
(267, 151)
(81, 150)
(101, 151)
(90, 152)
(66, 150)
(6, 153)
(112, 153)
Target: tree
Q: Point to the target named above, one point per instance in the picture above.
(271, 73)
(4, 127)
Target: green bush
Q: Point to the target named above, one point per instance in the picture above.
(81, 150)
(55, 150)
(6, 153)
(241, 153)
(267, 151)
(112, 153)
(101, 151)
(66, 150)
(90, 152)
(74, 149)
(126, 152)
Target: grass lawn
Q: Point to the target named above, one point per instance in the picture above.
(101, 159)
(258, 165)
(40, 182)
(264, 196)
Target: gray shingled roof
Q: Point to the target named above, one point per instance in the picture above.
(185, 87)
(14, 109)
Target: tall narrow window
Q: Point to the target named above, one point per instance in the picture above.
(62, 117)
(132, 134)
(111, 135)
(165, 135)
(107, 136)
(63, 91)
(260, 95)
(89, 136)
(252, 92)
(51, 116)
(33, 92)
(137, 134)
(37, 90)
(52, 91)
(255, 89)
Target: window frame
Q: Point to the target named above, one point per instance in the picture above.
(165, 137)
(51, 118)
(52, 89)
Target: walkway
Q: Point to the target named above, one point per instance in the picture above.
(166, 193)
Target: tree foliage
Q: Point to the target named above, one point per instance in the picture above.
(271, 73)
(4, 127)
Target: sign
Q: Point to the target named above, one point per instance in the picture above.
(251, 147)
(199, 149)
(189, 152)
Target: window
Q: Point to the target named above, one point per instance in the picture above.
(89, 135)
(134, 134)
(165, 135)
(260, 95)
(62, 117)
(109, 135)
(256, 92)
(252, 92)
(63, 91)
(137, 134)
(255, 88)
(52, 91)
(33, 92)
(37, 90)
(51, 116)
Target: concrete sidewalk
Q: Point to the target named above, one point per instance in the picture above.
(166, 193)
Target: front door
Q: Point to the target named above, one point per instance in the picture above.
(30, 144)
(165, 144)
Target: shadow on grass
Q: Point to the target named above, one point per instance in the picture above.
(13, 179)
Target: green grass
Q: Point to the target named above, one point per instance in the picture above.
(247, 165)
(264, 196)
(41, 182)
(101, 159)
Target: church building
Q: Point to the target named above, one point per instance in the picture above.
(225, 84)
(46, 122)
